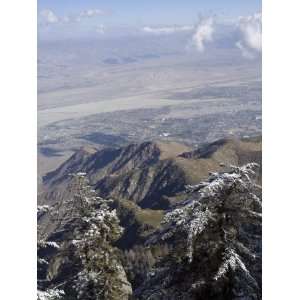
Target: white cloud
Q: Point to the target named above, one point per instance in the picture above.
(89, 13)
(100, 29)
(167, 29)
(47, 17)
(250, 30)
(246, 52)
(65, 19)
(92, 13)
(204, 33)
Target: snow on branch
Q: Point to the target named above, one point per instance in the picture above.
(45, 244)
(43, 209)
(192, 216)
(50, 294)
(232, 261)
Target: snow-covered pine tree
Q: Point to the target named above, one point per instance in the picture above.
(216, 235)
(86, 265)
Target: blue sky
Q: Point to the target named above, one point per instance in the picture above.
(62, 19)
(136, 12)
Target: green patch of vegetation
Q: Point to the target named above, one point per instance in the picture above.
(143, 216)
(150, 217)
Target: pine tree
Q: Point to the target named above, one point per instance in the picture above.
(217, 238)
(91, 268)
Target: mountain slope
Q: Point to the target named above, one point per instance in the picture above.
(151, 173)
(182, 239)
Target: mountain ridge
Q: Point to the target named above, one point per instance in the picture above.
(151, 172)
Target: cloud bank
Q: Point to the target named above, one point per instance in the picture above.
(92, 13)
(203, 34)
(250, 31)
(89, 13)
(167, 29)
(100, 29)
(47, 17)
(244, 33)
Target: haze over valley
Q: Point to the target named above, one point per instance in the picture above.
(107, 92)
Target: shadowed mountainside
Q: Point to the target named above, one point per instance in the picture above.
(150, 174)
(144, 179)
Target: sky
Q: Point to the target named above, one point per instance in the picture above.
(143, 12)
(202, 20)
